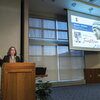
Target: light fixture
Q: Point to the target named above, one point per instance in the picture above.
(73, 4)
(90, 10)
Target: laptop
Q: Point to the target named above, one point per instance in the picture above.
(40, 70)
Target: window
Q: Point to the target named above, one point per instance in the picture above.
(49, 47)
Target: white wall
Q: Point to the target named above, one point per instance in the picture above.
(92, 59)
(9, 26)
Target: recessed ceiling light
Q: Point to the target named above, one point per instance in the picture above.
(90, 10)
(73, 4)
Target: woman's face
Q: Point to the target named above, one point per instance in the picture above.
(12, 51)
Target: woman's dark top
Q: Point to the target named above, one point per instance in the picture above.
(7, 59)
(1, 61)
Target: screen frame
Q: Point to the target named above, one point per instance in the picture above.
(69, 13)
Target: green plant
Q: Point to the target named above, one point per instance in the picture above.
(43, 90)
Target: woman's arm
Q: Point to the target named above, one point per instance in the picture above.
(1, 61)
(6, 59)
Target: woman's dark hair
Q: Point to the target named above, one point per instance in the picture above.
(9, 51)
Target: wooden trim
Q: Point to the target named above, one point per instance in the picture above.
(24, 30)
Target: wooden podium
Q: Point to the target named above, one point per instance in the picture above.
(18, 81)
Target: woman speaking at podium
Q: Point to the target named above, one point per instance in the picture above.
(11, 56)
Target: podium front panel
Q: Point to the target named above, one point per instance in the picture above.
(18, 81)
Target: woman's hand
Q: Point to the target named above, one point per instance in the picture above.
(0, 58)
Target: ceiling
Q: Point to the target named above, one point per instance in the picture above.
(91, 7)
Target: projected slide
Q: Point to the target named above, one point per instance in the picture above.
(85, 32)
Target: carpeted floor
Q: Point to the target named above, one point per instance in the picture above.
(78, 92)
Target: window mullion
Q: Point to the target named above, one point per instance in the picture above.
(42, 28)
(56, 34)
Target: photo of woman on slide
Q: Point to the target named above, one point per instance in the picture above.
(96, 29)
